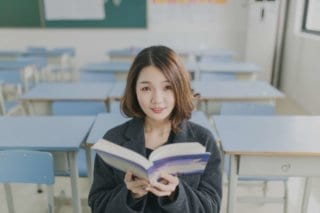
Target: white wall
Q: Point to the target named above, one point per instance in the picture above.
(182, 27)
(301, 66)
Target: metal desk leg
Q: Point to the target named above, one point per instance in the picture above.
(8, 191)
(74, 174)
(89, 163)
(306, 194)
(233, 182)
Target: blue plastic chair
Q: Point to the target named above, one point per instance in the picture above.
(25, 166)
(9, 107)
(64, 169)
(247, 109)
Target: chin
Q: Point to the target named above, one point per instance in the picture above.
(159, 117)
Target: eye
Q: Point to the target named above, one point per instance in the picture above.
(168, 87)
(145, 89)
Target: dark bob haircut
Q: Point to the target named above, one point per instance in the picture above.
(167, 61)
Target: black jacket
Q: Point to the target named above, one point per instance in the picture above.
(195, 193)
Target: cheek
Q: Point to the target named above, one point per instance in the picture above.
(142, 99)
(172, 99)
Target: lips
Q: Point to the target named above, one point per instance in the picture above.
(157, 110)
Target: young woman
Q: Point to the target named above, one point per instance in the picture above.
(158, 97)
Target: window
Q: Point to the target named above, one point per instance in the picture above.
(311, 17)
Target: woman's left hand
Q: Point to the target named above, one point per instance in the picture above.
(166, 186)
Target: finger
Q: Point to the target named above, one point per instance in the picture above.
(170, 178)
(139, 189)
(128, 176)
(158, 192)
(164, 187)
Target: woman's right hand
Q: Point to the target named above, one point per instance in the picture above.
(135, 185)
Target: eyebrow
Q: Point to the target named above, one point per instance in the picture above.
(148, 82)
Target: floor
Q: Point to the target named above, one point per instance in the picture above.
(27, 199)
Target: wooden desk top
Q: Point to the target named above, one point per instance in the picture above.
(102, 124)
(228, 67)
(49, 133)
(111, 66)
(269, 135)
(69, 92)
(236, 90)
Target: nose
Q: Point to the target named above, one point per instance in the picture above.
(157, 96)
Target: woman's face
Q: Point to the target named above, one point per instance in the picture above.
(155, 94)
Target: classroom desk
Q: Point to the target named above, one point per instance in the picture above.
(117, 91)
(225, 91)
(10, 54)
(106, 121)
(103, 122)
(242, 70)
(54, 56)
(218, 55)
(118, 68)
(128, 54)
(219, 91)
(55, 134)
(278, 145)
(39, 99)
(25, 76)
(125, 54)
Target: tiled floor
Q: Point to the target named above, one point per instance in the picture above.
(27, 200)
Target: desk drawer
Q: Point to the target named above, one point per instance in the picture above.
(279, 166)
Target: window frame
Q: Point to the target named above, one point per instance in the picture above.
(304, 20)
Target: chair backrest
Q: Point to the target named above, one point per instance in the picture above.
(247, 108)
(26, 166)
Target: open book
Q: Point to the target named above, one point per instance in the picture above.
(176, 158)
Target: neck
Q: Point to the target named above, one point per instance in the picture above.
(152, 126)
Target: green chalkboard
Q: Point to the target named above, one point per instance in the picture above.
(30, 13)
(20, 13)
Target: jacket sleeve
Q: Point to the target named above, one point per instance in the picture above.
(108, 192)
(207, 196)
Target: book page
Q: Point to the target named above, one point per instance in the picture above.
(120, 152)
(177, 149)
(123, 164)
